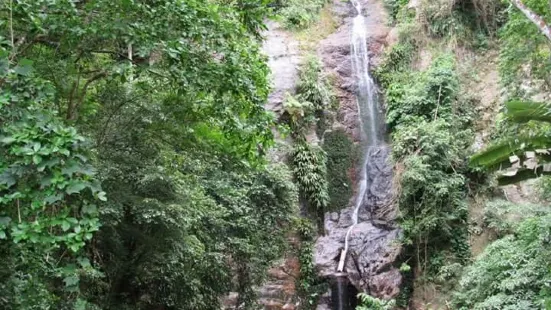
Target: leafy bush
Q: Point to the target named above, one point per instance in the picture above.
(394, 6)
(299, 14)
(314, 96)
(432, 192)
(461, 21)
(340, 160)
(512, 273)
(316, 88)
(49, 196)
(395, 60)
(502, 217)
(309, 168)
(300, 114)
(313, 86)
(430, 142)
(173, 121)
(431, 95)
(371, 303)
(525, 51)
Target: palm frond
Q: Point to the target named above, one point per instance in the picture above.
(497, 156)
(524, 111)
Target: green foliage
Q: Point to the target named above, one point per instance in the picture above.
(48, 196)
(300, 115)
(48, 188)
(186, 237)
(525, 154)
(394, 7)
(371, 303)
(524, 50)
(503, 217)
(512, 273)
(430, 96)
(310, 285)
(395, 61)
(298, 14)
(314, 96)
(313, 86)
(172, 120)
(309, 168)
(429, 120)
(309, 162)
(341, 156)
(463, 22)
(432, 189)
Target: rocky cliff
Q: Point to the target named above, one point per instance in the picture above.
(370, 264)
(373, 250)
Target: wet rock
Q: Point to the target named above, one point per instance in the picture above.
(379, 197)
(373, 249)
(283, 59)
(335, 54)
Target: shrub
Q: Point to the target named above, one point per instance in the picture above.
(512, 273)
(371, 303)
(430, 140)
(299, 14)
(309, 167)
(340, 159)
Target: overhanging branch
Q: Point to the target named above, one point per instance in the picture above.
(535, 18)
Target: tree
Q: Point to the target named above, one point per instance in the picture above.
(132, 173)
(535, 18)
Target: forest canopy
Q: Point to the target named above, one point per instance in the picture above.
(132, 141)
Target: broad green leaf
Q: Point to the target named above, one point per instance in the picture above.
(53, 198)
(5, 221)
(75, 187)
(37, 159)
(102, 196)
(7, 140)
(65, 226)
(71, 281)
(7, 179)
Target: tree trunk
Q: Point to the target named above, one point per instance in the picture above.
(536, 19)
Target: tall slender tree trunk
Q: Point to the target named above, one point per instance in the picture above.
(535, 18)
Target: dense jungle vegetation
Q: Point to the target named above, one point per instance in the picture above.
(134, 167)
(432, 115)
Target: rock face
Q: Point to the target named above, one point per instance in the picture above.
(373, 251)
(283, 59)
(279, 292)
(335, 52)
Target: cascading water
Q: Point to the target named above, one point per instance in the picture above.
(359, 246)
(368, 112)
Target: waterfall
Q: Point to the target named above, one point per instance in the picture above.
(368, 112)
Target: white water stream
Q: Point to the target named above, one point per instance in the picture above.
(367, 109)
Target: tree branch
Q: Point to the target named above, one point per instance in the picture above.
(536, 19)
(72, 113)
